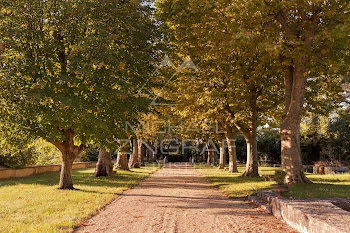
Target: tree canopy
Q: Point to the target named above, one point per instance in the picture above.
(71, 70)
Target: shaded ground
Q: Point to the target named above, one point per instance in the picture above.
(343, 204)
(178, 199)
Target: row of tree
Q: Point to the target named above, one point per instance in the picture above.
(74, 72)
(258, 62)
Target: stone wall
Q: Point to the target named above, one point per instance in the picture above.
(309, 215)
(29, 171)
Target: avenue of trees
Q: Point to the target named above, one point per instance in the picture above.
(262, 60)
(72, 73)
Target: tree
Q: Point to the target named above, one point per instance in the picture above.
(134, 161)
(104, 166)
(222, 154)
(71, 70)
(230, 134)
(237, 74)
(141, 151)
(304, 41)
(15, 148)
(312, 36)
(122, 161)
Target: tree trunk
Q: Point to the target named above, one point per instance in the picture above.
(134, 157)
(211, 154)
(148, 152)
(202, 152)
(213, 157)
(150, 155)
(252, 158)
(232, 166)
(207, 155)
(122, 161)
(295, 86)
(104, 166)
(69, 153)
(250, 136)
(151, 152)
(222, 155)
(141, 152)
(66, 180)
(230, 134)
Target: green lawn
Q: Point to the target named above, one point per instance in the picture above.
(34, 204)
(326, 186)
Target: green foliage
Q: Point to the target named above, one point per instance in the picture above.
(91, 154)
(75, 65)
(241, 149)
(269, 145)
(243, 49)
(39, 152)
(339, 140)
(47, 154)
(325, 138)
(22, 158)
(236, 70)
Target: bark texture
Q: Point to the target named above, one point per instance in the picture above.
(248, 128)
(250, 135)
(141, 152)
(295, 83)
(122, 161)
(252, 157)
(69, 153)
(134, 157)
(295, 88)
(222, 161)
(230, 134)
(66, 180)
(104, 166)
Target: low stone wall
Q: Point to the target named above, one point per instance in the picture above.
(309, 215)
(29, 171)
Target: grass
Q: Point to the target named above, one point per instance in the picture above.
(326, 186)
(232, 184)
(34, 204)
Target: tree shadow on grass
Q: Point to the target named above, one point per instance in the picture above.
(319, 190)
(80, 178)
(326, 180)
(316, 190)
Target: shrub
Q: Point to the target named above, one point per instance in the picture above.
(22, 158)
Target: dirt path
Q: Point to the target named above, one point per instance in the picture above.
(178, 199)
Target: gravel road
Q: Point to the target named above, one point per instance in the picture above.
(178, 199)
